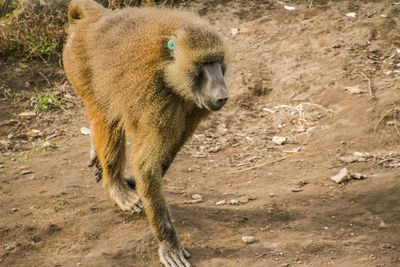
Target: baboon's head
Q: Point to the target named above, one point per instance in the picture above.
(197, 65)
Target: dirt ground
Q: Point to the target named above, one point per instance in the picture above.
(327, 82)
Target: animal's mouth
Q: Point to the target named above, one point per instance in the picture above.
(216, 105)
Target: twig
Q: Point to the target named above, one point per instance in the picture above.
(371, 94)
(261, 255)
(310, 2)
(397, 129)
(377, 124)
(257, 166)
(47, 80)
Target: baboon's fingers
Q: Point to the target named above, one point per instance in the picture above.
(91, 162)
(186, 253)
(173, 257)
(98, 177)
(99, 172)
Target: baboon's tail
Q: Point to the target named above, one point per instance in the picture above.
(80, 9)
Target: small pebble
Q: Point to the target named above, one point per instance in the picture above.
(248, 239)
(196, 196)
(193, 201)
(297, 190)
(279, 140)
(358, 176)
(341, 177)
(221, 202)
(348, 159)
(383, 225)
(85, 131)
(234, 202)
(15, 209)
(243, 199)
(24, 172)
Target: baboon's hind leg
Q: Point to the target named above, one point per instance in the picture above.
(110, 149)
(94, 161)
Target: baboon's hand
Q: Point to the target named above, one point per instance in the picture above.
(173, 257)
(92, 161)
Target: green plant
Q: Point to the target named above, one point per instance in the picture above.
(47, 146)
(47, 101)
(9, 93)
(22, 158)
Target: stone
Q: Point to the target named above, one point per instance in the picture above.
(248, 239)
(342, 176)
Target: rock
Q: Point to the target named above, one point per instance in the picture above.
(361, 156)
(358, 176)
(351, 14)
(85, 131)
(342, 176)
(234, 31)
(27, 114)
(354, 90)
(193, 201)
(1, 166)
(196, 196)
(279, 140)
(24, 172)
(243, 199)
(234, 202)
(271, 194)
(383, 225)
(289, 8)
(248, 239)
(348, 159)
(297, 190)
(221, 202)
(15, 210)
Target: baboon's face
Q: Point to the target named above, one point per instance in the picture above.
(197, 67)
(209, 89)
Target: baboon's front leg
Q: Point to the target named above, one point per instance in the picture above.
(151, 157)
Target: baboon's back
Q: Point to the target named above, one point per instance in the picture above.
(111, 57)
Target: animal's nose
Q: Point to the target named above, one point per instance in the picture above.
(222, 101)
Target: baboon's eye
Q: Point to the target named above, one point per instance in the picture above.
(171, 45)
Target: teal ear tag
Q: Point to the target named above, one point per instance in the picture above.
(171, 45)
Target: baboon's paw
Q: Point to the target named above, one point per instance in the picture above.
(126, 198)
(173, 257)
(92, 161)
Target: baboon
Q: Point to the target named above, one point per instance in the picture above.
(151, 73)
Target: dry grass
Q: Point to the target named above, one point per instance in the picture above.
(39, 29)
(37, 32)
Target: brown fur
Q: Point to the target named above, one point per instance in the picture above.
(119, 64)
